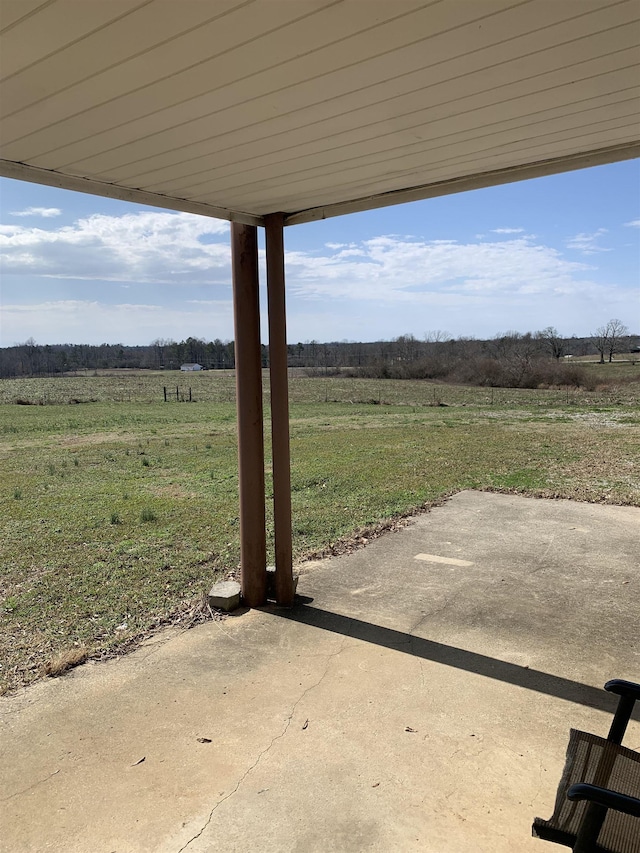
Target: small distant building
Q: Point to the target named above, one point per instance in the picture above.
(190, 367)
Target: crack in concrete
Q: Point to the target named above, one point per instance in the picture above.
(153, 647)
(270, 746)
(35, 784)
(541, 558)
(428, 615)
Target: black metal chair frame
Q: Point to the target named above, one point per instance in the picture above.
(601, 799)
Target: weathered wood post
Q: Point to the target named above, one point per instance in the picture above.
(246, 305)
(279, 408)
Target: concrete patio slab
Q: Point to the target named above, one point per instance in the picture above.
(419, 699)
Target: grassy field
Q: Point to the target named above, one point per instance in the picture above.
(118, 510)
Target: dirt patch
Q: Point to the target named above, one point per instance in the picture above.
(94, 438)
(172, 491)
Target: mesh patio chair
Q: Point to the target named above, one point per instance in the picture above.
(597, 806)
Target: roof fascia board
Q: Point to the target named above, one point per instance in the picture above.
(566, 163)
(23, 172)
(553, 166)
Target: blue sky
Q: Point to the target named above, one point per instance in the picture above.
(561, 251)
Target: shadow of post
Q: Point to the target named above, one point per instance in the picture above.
(510, 673)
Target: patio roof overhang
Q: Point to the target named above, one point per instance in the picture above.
(275, 112)
(240, 108)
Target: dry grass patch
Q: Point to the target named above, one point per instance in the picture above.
(64, 661)
(172, 491)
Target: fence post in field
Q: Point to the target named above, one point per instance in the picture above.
(165, 393)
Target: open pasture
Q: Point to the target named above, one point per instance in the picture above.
(117, 514)
(614, 384)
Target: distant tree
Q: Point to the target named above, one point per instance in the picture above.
(617, 331)
(437, 336)
(515, 354)
(552, 340)
(600, 340)
(607, 339)
(407, 347)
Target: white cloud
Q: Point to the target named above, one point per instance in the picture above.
(386, 285)
(47, 212)
(179, 248)
(588, 243)
(142, 247)
(507, 230)
(635, 223)
(391, 269)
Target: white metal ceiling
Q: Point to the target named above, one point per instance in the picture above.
(238, 108)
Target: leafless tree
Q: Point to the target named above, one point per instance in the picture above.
(607, 339)
(600, 339)
(515, 353)
(551, 338)
(617, 331)
(437, 336)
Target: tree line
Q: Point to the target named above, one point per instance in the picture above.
(510, 358)
(29, 359)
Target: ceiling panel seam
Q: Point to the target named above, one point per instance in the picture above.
(489, 89)
(168, 76)
(453, 167)
(563, 111)
(333, 70)
(75, 41)
(401, 152)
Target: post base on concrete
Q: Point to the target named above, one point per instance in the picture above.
(225, 595)
(271, 583)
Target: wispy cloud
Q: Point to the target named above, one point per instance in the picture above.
(635, 223)
(507, 230)
(142, 247)
(588, 243)
(46, 212)
(390, 269)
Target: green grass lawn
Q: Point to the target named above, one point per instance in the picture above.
(118, 514)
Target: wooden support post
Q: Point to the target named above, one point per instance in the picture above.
(279, 408)
(253, 551)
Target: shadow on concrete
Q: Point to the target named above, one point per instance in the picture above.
(529, 679)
